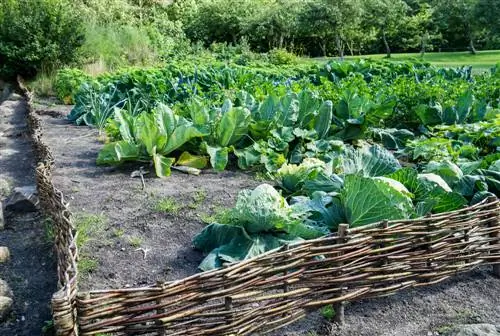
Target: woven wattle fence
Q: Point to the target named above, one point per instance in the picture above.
(53, 205)
(276, 288)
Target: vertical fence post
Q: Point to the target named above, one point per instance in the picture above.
(496, 234)
(285, 272)
(339, 307)
(384, 225)
(159, 311)
(228, 304)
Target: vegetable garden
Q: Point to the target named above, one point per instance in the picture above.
(352, 143)
(401, 147)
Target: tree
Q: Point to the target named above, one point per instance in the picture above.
(386, 17)
(36, 35)
(458, 17)
(330, 20)
(421, 29)
(275, 25)
(221, 20)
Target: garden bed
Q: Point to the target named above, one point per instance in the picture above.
(55, 134)
(122, 226)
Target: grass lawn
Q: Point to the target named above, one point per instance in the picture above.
(482, 61)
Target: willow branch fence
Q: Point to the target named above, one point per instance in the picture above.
(274, 289)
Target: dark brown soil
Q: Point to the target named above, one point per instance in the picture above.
(31, 270)
(130, 223)
(138, 236)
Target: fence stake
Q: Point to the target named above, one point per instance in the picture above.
(162, 331)
(339, 307)
(495, 222)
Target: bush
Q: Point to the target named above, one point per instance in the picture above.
(118, 46)
(281, 57)
(67, 83)
(37, 34)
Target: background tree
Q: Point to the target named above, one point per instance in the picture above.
(275, 25)
(386, 17)
(458, 21)
(36, 35)
(330, 21)
(421, 31)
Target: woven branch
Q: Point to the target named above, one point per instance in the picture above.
(53, 205)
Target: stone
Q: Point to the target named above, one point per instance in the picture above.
(23, 199)
(2, 222)
(4, 254)
(480, 329)
(5, 289)
(4, 187)
(5, 307)
(15, 97)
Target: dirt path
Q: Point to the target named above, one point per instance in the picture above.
(31, 270)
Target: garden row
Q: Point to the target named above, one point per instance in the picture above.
(348, 142)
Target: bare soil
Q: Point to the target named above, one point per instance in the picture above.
(135, 236)
(31, 271)
(135, 241)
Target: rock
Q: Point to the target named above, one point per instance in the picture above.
(5, 307)
(4, 187)
(2, 222)
(15, 97)
(5, 289)
(23, 199)
(481, 329)
(4, 254)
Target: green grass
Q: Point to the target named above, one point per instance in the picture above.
(88, 226)
(168, 205)
(87, 264)
(198, 197)
(482, 61)
(219, 214)
(135, 241)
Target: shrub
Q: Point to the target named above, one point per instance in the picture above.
(67, 83)
(37, 34)
(281, 57)
(118, 46)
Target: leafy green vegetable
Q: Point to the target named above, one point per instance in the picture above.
(449, 171)
(367, 200)
(369, 161)
(150, 137)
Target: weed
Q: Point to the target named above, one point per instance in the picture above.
(311, 333)
(48, 327)
(328, 312)
(198, 197)
(444, 329)
(218, 214)
(87, 264)
(168, 205)
(48, 225)
(43, 84)
(118, 233)
(135, 241)
(88, 226)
